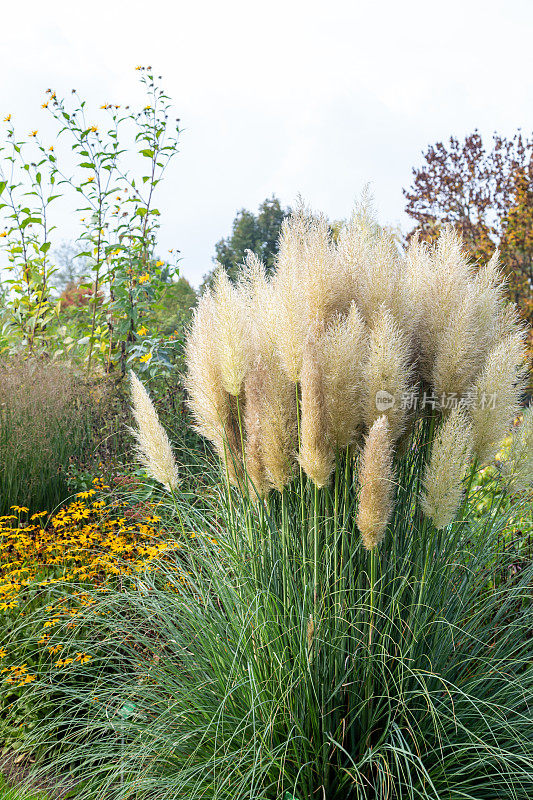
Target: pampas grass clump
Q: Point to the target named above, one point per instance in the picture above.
(359, 330)
(340, 622)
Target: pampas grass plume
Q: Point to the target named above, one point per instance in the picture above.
(496, 395)
(438, 292)
(255, 468)
(233, 335)
(343, 351)
(518, 468)
(208, 400)
(376, 481)
(153, 445)
(316, 452)
(279, 425)
(387, 370)
(450, 453)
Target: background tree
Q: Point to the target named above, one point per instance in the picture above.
(173, 312)
(487, 194)
(71, 266)
(258, 232)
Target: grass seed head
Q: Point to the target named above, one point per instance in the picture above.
(388, 373)
(376, 482)
(450, 454)
(255, 467)
(316, 452)
(343, 351)
(496, 395)
(153, 445)
(232, 332)
(518, 467)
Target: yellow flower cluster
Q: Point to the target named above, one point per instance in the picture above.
(85, 542)
(18, 675)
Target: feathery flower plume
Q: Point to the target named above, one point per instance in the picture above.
(232, 332)
(450, 454)
(496, 395)
(153, 446)
(208, 400)
(376, 481)
(470, 332)
(279, 425)
(323, 289)
(278, 421)
(261, 309)
(460, 350)
(369, 256)
(388, 374)
(308, 289)
(489, 291)
(509, 322)
(518, 468)
(316, 452)
(255, 468)
(343, 351)
(438, 292)
(287, 298)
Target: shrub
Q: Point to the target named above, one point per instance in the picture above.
(46, 419)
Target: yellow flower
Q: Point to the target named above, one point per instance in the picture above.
(82, 658)
(20, 509)
(3, 234)
(3, 653)
(138, 67)
(44, 105)
(160, 263)
(34, 133)
(93, 128)
(144, 278)
(8, 118)
(142, 331)
(51, 148)
(91, 179)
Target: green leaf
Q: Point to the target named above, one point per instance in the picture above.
(28, 221)
(87, 165)
(45, 247)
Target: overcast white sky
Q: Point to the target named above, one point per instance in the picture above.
(281, 96)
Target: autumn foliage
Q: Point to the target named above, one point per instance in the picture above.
(487, 194)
